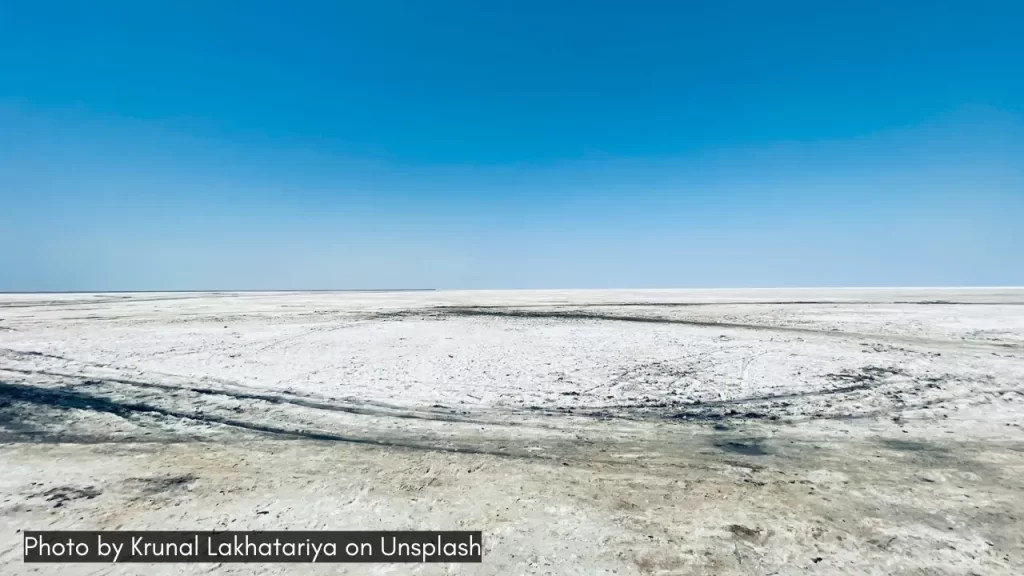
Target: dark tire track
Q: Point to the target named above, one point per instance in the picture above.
(270, 398)
(64, 399)
(577, 315)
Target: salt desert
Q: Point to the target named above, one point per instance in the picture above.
(732, 432)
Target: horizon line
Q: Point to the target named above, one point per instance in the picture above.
(384, 290)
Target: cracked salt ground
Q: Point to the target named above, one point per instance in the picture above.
(628, 432)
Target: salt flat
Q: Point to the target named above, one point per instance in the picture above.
(825, 431)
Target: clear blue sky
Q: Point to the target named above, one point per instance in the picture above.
(527, 144)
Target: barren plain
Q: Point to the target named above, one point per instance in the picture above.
(718, 432)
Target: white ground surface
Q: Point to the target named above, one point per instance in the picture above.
(585, 432)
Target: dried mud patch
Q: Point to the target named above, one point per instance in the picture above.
(747, 447)
(61, 495)
(162, 484)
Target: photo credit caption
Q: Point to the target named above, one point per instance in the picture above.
(280, 546)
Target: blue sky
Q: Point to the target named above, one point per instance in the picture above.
(262, 145)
